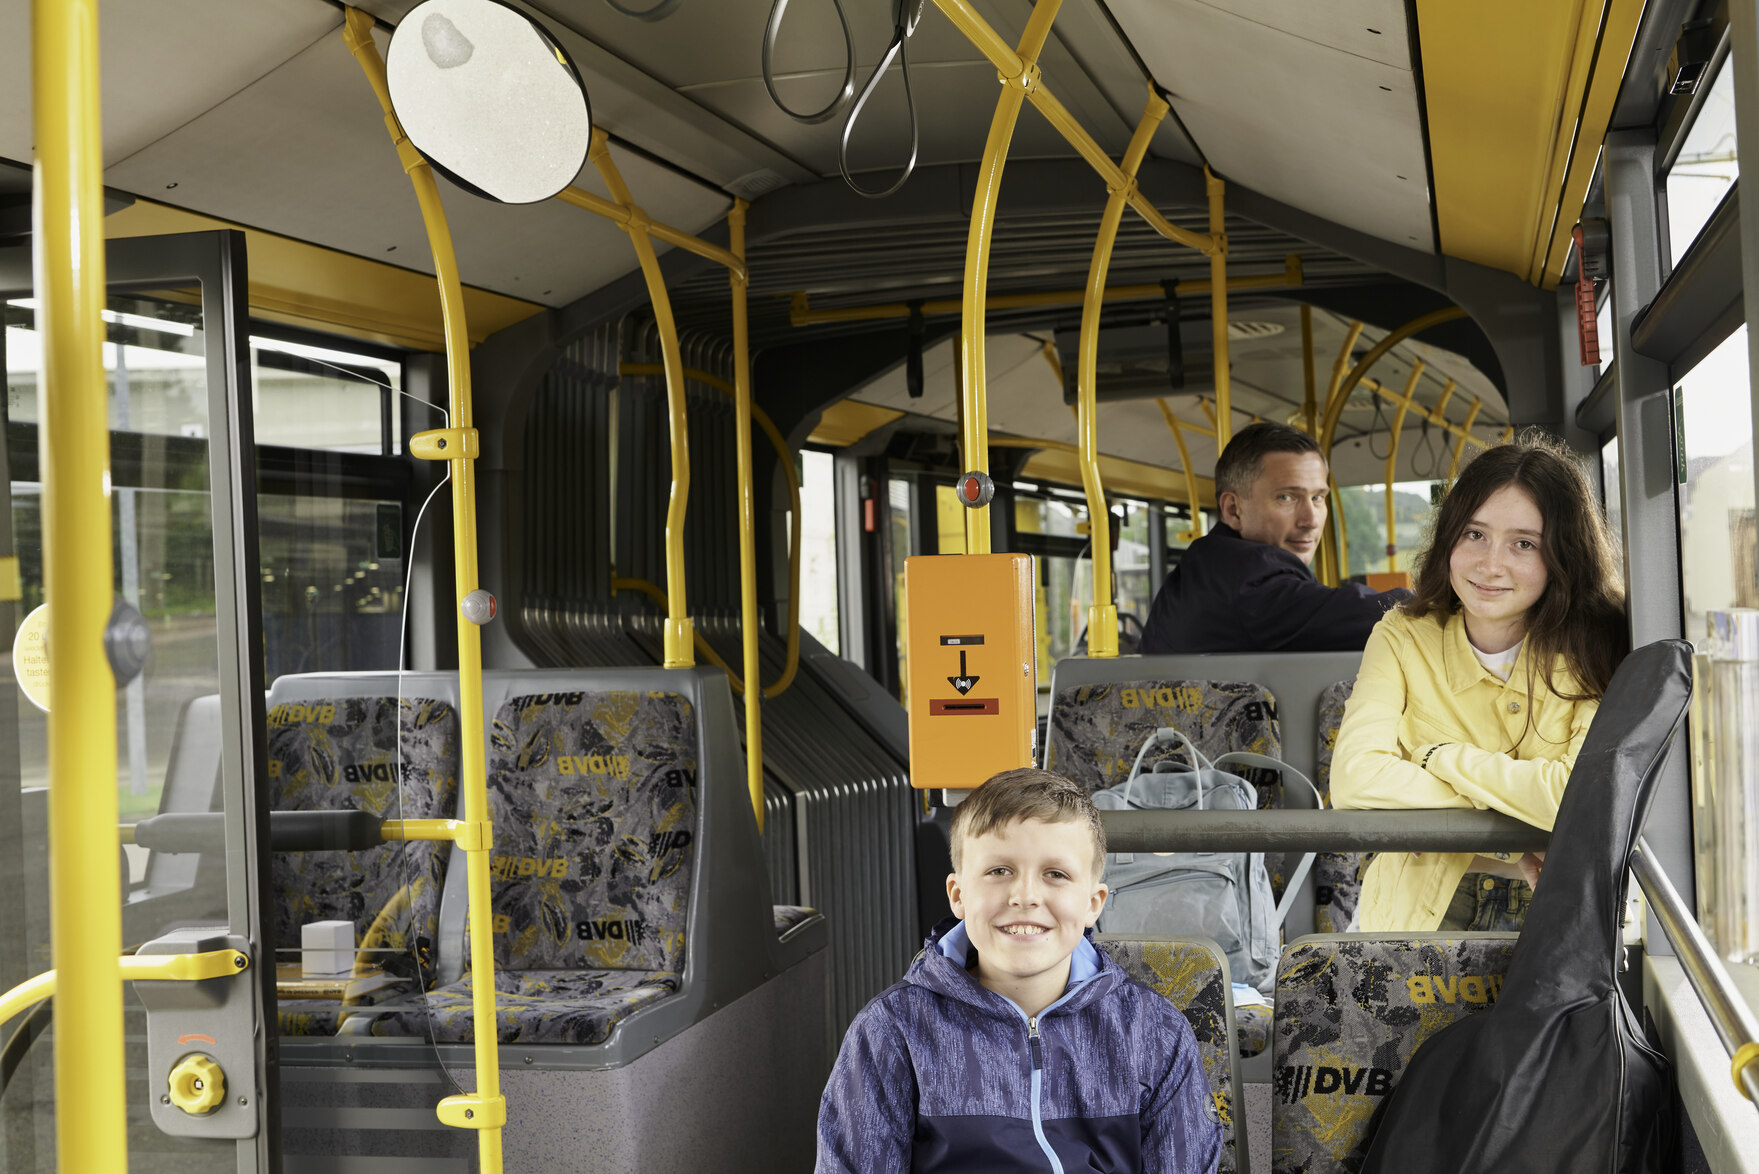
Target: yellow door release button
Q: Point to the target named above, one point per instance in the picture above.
(198, 1085)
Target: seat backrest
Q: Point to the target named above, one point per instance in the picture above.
(352, 743)
(593, 795)
(1336, 875)
(1192, 974)
(1097, 729)
(192, 780)
(1351, 1010)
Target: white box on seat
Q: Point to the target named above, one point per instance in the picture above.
(327, 947)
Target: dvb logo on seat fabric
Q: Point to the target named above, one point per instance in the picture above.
(1295, 1082)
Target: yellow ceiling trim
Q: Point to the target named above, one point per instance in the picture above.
(1616, 42)
(317, 288)
(1119, 476)
(1511, 88)
(847, 421)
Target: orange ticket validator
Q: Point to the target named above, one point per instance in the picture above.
(973, 670)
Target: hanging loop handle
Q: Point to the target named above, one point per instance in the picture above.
(844, 94)
(908, 13)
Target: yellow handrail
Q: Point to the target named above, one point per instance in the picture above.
(1465, 435)
(85, 918)
(784, 457)
(1392, 460)
(1331, 571)
(703, 647)
(1218, 308)
(1310, 404)
(1102, 613)
(1177, 427)
(130, 968)
(678, 642)
(801, 313)
(625, 216)
(484, 1110)
(739, 282)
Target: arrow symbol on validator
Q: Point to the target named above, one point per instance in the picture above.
(962, 682)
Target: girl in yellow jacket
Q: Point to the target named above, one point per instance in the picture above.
(1478, 691)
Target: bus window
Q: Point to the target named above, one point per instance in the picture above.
(1614, 503)
(315, 397)
(900, 512)
(1707, 166)
(1716, 499)
(818, 548)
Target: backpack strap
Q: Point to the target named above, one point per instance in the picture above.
(1265, 761)
(1162, 736)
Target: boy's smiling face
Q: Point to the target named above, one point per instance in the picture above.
(1027, 891)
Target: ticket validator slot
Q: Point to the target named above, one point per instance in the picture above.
(973, 667)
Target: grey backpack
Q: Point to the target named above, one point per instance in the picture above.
(1220, 895)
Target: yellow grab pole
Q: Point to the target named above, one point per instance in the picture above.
(784, 458)
(1102, 613)
(1309, 406)
(1508, 434)
(1392, 459)
(1334, 407)
(1218, 308)
(678, 644)
(747, 543)
(85, 916)
(974, 392)
(1332, 572)
(672, 236)
(484, 1110)
(1178, 430)
(1465, 434)
(801, 313)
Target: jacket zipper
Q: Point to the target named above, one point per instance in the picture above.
(1032, 1037)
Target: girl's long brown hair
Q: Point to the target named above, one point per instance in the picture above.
(1581, 613)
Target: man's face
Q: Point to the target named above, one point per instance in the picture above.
(1286, 506)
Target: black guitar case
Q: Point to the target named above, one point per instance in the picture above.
(1558, 1076)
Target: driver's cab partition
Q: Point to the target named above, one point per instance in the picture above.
(1101, 711)
(635, 942)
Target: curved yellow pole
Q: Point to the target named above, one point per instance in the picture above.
(734, 263)
(1392, 460)
(703, 647)
(785, 458)
(747, 543)
(1178, 430)
(974, 388)
(1310, 405)
(678, 642)
(129, 968)
(1331, 571)
(1218, 308)
(1465, 434)
(1102, 613)
(484, 1110)
(85, 917)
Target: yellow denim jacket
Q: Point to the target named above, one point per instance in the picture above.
(1420, 687)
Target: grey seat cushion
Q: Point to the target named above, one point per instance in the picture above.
(535, 1006)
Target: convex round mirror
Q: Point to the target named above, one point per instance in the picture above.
(489, 98)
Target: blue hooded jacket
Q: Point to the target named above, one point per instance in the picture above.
(938, 1074)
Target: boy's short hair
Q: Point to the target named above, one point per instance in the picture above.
(1026, 793)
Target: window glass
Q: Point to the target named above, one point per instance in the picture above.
(1604, 333)
(949, 520)
(818, 548)
(1707, 165)
(333, 578)
(316, 397)
(899, 509)
(1364, 508)
(1045, 528)
(1716, 502)
(1134, 588)
(1611, 497)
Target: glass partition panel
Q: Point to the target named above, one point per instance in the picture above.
(1715, 443)
(1706, 168)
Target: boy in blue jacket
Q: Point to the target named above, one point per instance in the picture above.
(1012, 1044)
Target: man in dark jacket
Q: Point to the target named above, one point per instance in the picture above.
(1013, 1044)
(1247, 585)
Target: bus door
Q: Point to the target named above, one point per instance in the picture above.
(199, 1055)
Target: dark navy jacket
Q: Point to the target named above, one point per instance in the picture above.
(939, 1074)
(1229, 594)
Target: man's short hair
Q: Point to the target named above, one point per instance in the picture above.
(1243, 459)
(1026, 793)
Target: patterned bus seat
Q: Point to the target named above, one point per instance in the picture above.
(593, 800)
(1192, 974)
(399, 760)
(789, 919)
(1350, 1012)
(1337, 876)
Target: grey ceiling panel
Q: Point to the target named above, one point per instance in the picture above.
(163, 63)
(312, 129)
(1331, 126)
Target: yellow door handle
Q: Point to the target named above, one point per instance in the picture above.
(198, 1085)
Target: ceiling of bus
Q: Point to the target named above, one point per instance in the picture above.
(1313, 105)
(1026, 397)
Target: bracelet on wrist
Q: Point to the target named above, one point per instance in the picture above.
(1427, 754)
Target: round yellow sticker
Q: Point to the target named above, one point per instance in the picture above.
(30, 657)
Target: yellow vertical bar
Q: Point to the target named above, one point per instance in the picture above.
(85, 916)
(473, 757)
(974, 423)
(679, 653)
(754, 694)
(1102, 613)
(1218, 307)
(1335, 567)
(1310, 406)
(1178, 431)
(1392, 459)
(1465, 432)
